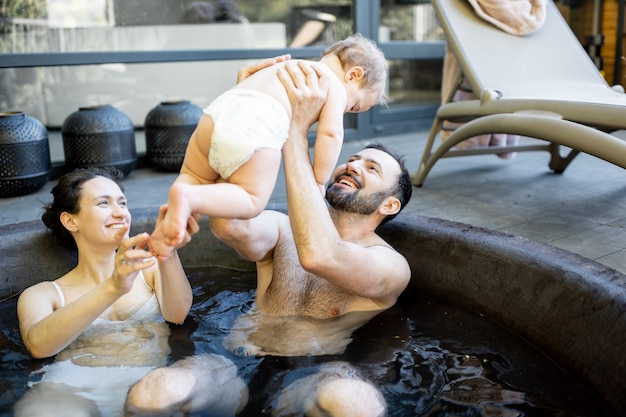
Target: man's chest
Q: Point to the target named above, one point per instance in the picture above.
(284, 288)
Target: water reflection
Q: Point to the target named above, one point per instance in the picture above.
(427, 359)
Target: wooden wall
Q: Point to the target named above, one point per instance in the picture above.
(581, 18)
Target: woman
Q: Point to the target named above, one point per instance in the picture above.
(104, 318)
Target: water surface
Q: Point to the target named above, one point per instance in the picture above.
(427, 358)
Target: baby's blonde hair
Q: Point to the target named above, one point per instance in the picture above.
(357, 50)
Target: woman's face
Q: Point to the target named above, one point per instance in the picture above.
(103, 210)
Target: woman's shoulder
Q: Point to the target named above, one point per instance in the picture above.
(45, 293)
(52, 289)
(40, 288)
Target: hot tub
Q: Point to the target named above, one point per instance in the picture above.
(571, 308)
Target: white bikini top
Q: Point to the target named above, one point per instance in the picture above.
(135, 340)
(62, 297)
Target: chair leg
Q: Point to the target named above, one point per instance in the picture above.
(419, 176)
(452, 66)
(558, 163)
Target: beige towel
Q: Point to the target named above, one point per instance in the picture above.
(518, 17)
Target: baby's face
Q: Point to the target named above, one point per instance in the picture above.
(360, 99)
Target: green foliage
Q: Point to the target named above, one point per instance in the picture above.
(26, 9)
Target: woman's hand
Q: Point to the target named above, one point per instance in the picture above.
(130, 258)
(246, 72)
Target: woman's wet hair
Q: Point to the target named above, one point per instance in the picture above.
(66, 198)
(404, 187)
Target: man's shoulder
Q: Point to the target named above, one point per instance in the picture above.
(376, 242)
(382, 249)
(381, 245)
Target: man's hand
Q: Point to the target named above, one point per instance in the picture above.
(307, 89)
(246, 72)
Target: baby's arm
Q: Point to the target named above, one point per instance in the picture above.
(329, 139)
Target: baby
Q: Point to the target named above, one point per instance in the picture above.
(233, 157)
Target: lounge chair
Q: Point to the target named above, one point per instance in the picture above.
(542, 85)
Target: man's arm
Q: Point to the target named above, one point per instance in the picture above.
(376, 272)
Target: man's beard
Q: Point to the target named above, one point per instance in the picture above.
(354, 202)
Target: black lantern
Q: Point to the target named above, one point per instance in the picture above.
(24, 154)
(99, 136)
(168, 128)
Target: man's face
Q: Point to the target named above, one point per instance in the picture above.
(363, 182)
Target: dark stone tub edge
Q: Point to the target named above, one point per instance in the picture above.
(572, 308)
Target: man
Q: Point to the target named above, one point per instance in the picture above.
(338, 250)
(318, 262)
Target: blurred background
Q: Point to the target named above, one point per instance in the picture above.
(59, 55)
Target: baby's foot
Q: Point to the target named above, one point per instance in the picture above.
(174, 225)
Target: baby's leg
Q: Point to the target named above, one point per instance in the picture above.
(195, 171)
(256, 178)
(243, 196)
(170, 231)
(174, 224)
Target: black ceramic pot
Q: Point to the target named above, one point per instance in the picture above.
(24, 154)
(99, 136)
(168, 127)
